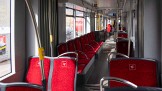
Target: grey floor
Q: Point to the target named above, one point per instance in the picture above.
(100, 70)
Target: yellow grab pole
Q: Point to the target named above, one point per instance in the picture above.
(40, 48)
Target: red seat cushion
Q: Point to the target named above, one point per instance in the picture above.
(141, 72)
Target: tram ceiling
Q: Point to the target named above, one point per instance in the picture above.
(111, 6)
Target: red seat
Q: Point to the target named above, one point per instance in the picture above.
(81, 55)
(92, 35)
(79, 47)
(62, 48)
(123, 35)
(19, 86)
(91, 40)
(87, 46)
(63, 74)
(142, 72)
(122, 47)
(34, 73)
(81, 68)
(83, 61)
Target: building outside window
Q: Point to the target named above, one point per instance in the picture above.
(79, 26)
(76, 21)
(6, 37)
(70, 28)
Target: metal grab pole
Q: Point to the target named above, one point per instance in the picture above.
(41, 50)
(50, 30)
(130, 31)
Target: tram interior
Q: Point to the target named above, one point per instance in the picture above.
(81, 45)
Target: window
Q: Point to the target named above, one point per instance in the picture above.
(79, 13)
(79, 26)
(77, 21)
(69, 12)
(6, 38)
(79, 8)
(69, 28)
(88, 24)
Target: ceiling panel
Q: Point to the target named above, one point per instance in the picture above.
(107, 3)
(103, 3)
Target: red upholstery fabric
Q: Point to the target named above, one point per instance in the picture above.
(63, 75)
(79, 47)
(21, 88)
(81, 68)
(62, 48)
(70, 45)
(34, 72)
(91, 41)
(92, 36)
(84, 41)
(123, 35)
(122, 47)
(81, 55)
(83, 61)
(77, 44)
(142, 72)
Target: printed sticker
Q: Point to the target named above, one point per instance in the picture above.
(132, 66)
(64, 64)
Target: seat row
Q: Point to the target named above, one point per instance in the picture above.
(132, 74)
(87, 48)
(60, 75)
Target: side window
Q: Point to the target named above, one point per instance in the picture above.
(6, 38)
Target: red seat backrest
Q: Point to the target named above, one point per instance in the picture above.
(34, 72)
(77, 44)
(64, 74)
(123, 35)
(83, 41)
(89, 37)
(70, 45)
(142, 72)
(92, 35)
(122, 47)
(62, 48)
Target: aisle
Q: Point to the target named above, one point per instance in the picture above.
(101, 68)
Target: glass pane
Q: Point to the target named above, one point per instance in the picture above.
(69, 12)
(69, 28)
(69, 5)
(5, 63)
(78, 13)
(79, 8)
(88, 25)
(87, 14)
(79, 26)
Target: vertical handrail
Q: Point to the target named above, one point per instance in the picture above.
(41, 50)
(50, 29)
(130, 31)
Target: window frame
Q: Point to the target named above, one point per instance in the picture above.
(12, 41)
(85, 10)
